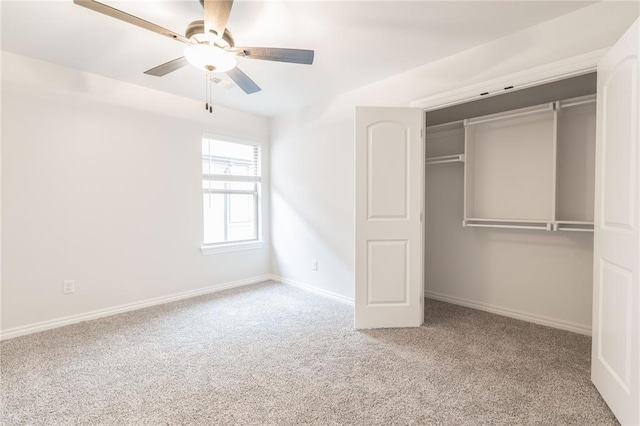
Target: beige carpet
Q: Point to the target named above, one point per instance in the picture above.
(275, 355)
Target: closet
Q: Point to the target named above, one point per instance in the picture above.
(509, 214)
(509, 203)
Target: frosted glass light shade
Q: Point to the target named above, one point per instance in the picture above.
(205, 56)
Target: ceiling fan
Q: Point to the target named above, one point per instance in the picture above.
(210, 45)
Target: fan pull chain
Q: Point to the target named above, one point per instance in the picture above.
(210, 103)
(206, 91)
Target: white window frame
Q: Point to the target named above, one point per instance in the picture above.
(229, 246)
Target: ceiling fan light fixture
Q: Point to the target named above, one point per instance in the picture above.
(206, 57)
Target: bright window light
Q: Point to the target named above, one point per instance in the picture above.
(231, 179)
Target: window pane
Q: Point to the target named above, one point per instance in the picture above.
(220, 157)
(232, 150)
(223, 167)
(239, 169)
(240, 208)
(214, 213)
(229, 217)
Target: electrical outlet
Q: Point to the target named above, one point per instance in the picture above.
(314, 265)
(68, 286)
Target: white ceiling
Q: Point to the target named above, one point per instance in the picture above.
(355, 42)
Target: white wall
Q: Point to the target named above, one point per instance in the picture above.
(101, 184)
(313, 165)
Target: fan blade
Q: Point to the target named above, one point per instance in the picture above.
(243, 81)
(296, 56)
(123, 16)
(216, 15)
(167, 67)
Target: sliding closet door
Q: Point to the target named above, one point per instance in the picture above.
(615, 368)
(389, 205)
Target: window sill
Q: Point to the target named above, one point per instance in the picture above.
(223, 248)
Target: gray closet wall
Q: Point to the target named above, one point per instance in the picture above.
(539, 275)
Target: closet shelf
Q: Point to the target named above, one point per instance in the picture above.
(458, 158)
(542, 225)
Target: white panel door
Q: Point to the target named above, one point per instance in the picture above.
(389, 205)
(615, 364)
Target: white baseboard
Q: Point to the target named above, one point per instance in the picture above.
(100, 313)
(316, 290)
(73, 319)
(512, 313)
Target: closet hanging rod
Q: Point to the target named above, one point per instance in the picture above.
(561, 228)
(574, 222)
(572, 225)
(487, 225)
(501, 116)
(459, 158)
(486, 220)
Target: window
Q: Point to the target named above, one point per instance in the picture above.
(231, 179)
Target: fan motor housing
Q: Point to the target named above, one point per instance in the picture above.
(196, 28)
